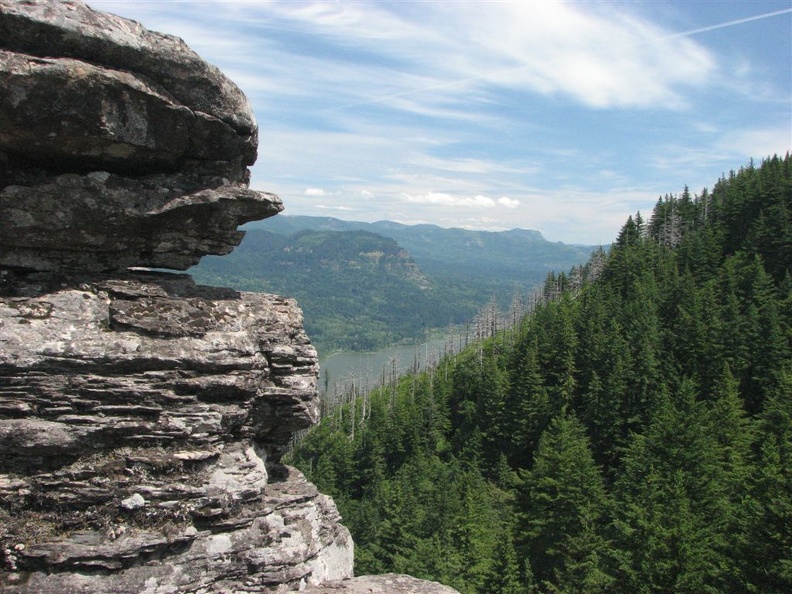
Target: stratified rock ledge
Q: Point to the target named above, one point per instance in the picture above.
(147, 360)
(287, 538)
(111, 222)
(119, 146)
(142, 419)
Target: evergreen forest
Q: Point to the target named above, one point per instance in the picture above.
(630, 432)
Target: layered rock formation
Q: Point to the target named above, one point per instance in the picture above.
(381, 584)
(142, 417)
(149, 143)
(141, 421)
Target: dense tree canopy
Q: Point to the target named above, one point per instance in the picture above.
(632, 434)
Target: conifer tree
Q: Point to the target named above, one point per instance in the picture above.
(674, 511)
(528, 403)
(768, 552)
(561, 498)
(505, 573)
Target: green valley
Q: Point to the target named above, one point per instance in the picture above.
(365, 286)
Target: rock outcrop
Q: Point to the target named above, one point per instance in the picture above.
(142, 417)
(142, 420)
(150, 143)
(150, 360)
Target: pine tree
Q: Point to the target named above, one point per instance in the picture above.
(554, 326)
(505, 571)
(583, 570)
(604, 367)
(527, 402)
(561, 498)
(768, 552)
(674, 513)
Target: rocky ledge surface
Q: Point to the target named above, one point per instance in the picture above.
(142, 420)
(381, 584)
(282, 539)
(150, 360)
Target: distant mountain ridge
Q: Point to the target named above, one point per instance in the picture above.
(517, 257)
(288, 224)
(364, 286)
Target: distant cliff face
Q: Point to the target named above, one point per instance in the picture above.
(142, 417)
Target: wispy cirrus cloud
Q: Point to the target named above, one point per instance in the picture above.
(727, 150)
(388, 52)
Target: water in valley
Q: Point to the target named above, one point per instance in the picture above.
(367, 370)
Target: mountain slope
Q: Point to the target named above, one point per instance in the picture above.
(362, 286)
(358, 290)
(499, 262)
(631, 435)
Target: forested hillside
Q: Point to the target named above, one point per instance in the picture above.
(365, 286)
(358, 290)
(633, 434)
(492, 262)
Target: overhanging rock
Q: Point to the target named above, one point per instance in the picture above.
(119, 146)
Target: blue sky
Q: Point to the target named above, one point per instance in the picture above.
(563, 117)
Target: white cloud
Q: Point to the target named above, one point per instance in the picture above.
(725, 151)
(744, 144)
(444, 199)
(441, 198)
(473, 166)
(478, 201)
(431, 198)
(595, 55)
(315, 192)
(339, 207)
(448, 51)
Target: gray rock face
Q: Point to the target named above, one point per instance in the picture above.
(285, 538)
(141, 419)
(111, 222)
(69, 28)
(149, 360)
(381, 584)
(150, 143)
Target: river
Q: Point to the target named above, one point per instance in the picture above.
(366, 370)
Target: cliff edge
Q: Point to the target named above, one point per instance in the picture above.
(143, 417)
